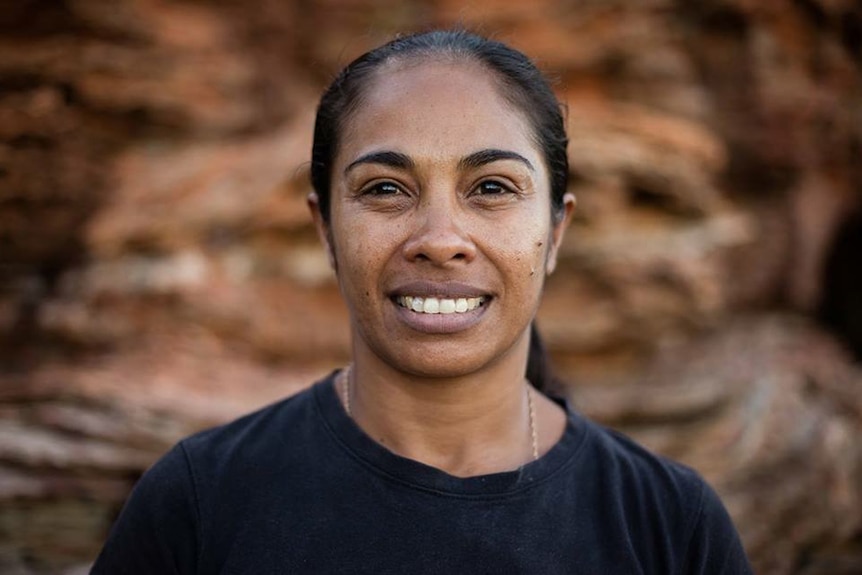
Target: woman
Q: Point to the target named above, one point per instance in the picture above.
(439, 169)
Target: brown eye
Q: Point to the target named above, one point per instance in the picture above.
(492, 188)
(383, 189)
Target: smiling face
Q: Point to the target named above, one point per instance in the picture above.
(440, 221)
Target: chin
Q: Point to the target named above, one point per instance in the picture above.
(444, 370)
(451, 359)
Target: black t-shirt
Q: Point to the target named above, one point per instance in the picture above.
(298, 487)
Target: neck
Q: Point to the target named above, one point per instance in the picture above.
(469, 425)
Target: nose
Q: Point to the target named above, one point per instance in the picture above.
(441, 237)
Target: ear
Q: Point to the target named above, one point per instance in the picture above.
(322, 227)
(559, 231)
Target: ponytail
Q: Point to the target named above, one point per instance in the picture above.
(539, 370)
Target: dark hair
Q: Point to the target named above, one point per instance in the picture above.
(521, 83)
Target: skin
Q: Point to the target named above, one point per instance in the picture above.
(438, 183)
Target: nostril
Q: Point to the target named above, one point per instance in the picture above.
(439, 240)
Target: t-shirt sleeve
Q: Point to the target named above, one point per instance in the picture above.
(715, 548)
(157, 530)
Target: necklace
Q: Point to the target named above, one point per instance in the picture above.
(534, 436)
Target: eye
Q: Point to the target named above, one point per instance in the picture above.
(492, 188)
(382, 189)
(385, 195)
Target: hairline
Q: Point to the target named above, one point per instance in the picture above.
(512, 94)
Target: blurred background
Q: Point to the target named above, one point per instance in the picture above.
(159, 272)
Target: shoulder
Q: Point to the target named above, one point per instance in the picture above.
(662, 504)
(168, 516)
(279, 430)
(201, 454)
(627, 464)
(284, 416)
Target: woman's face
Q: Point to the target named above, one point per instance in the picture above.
(440, 224)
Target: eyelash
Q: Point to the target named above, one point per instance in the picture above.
(500, 188)
(388, 188)
(382, 189)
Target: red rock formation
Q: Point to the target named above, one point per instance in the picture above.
(158, 272)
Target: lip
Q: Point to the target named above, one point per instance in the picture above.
(440, 323)
(442, 290)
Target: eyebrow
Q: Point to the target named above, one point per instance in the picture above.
(391, 159)
(482, 157)
(471, 161)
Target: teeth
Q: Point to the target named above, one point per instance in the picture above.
(435, 305)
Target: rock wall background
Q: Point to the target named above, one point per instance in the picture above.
(158, 271)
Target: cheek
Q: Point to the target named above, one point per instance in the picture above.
(349, 245)
(540, 253)
(524, 251)
(362, 250)
(534, 246)
(540, 256)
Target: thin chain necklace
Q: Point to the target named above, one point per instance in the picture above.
(534, 436)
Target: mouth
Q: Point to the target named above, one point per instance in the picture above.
(444, 306)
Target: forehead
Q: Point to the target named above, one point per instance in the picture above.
(436, 109)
